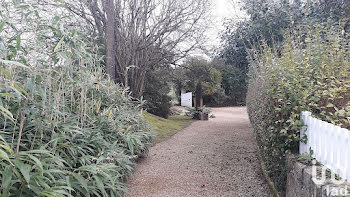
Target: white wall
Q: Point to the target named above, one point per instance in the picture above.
(186, 99)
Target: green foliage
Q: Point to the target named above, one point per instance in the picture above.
(310, 72)
(179, 81)
(234, 85)
(65, 128)
(201, 71)
(306, 158)
(217, 99)
(199, 74)
(192, 111)
(156, 92)
(196, 112)
(267, 23)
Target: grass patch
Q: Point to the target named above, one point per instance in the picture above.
(165, 128)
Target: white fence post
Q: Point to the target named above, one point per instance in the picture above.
(330, 144)
(302, 145)
(343, 152)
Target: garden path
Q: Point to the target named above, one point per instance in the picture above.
(208, 158)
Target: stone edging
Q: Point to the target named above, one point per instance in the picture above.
(266, 175)
(301, 183)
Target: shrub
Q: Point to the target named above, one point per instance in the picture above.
(234, 84)
(195, 113)
(217, 99)
(156, 92)
(310, 72)
(65, 129)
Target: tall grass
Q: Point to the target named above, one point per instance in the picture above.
(65, 128)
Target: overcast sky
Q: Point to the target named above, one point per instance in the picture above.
(222, 10)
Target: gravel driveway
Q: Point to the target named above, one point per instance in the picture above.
(208, 158)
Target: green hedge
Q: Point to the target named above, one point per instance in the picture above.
(311, 71)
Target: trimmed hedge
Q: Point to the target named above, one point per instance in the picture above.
(311, 71)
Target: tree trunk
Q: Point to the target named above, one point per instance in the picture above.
(199, 95)
(110, 39)
(136, 82)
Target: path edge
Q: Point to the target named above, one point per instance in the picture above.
(266, 175)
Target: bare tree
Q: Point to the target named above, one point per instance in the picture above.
(110, 38)
(146, 33)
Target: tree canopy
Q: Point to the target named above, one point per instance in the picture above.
(201, 71)
(266, 24)
(140, 34)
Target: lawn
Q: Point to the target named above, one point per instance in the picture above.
(165, 128)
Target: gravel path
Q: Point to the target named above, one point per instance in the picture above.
(208, 158)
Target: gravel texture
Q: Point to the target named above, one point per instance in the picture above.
(208, 158)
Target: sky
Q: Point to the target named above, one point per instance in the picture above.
(221, 11)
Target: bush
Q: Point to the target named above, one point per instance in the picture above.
(156, 92)
(234, 85)
(158, 105)
(91, 133)
(65, 129)
(310, 72)
(217, 99)
(195, 113)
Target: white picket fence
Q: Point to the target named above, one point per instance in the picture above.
(330, 144)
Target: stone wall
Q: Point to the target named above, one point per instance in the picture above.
(300, 182)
